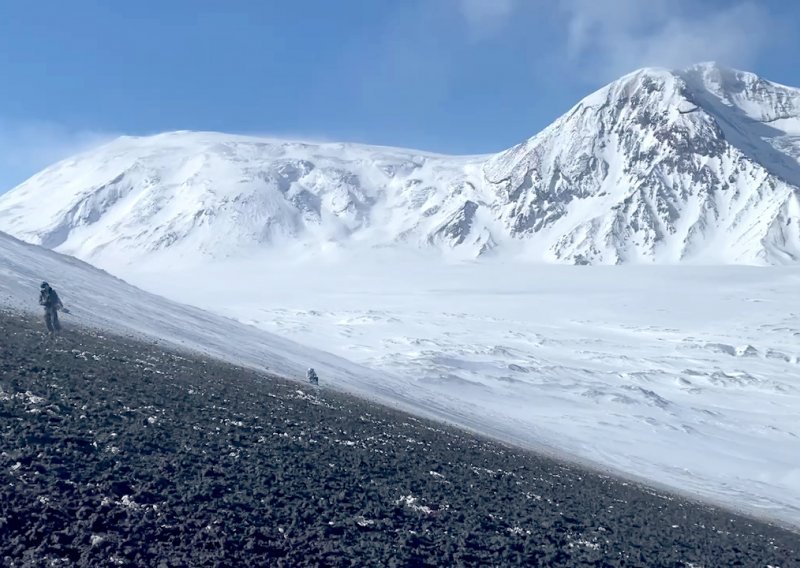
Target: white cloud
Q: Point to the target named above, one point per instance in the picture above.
(604, 39)
(486, 17)
(612, 37)
(27, 147)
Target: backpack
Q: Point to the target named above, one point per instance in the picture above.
(48, 297)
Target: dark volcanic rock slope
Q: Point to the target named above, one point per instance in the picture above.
(119, 453)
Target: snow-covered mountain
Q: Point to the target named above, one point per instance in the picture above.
(220, 195)
(663, 166)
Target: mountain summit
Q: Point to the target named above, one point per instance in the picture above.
(660, 166)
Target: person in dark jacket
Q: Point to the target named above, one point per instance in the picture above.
(48, 298)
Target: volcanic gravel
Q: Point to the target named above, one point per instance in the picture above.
(118, 452)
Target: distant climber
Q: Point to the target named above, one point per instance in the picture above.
(48, 298)
(312, 377)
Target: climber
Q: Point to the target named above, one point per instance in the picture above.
(48, 298)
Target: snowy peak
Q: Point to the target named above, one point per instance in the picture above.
(757, 98)
(664, 166)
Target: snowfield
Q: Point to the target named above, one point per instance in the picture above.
(688, 376)
(685, 376)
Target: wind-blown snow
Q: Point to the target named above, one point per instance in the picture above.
(697, 165)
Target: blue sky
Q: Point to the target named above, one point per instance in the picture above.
(454, 76)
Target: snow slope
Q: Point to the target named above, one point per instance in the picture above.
(100, 300)
(688, 376)
(661, 166)
(685, 376)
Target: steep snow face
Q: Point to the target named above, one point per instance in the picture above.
(697, 165)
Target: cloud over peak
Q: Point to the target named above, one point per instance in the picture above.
(612, 37)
